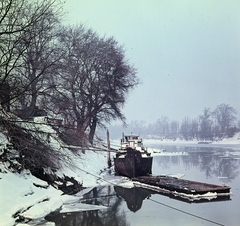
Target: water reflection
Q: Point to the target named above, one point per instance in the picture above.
(113, 197)
(228, 169)
(133, 196)
(103, 196)
(213, 162)
(122, 204)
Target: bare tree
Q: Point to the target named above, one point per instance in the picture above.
(163, 126)
(225, 116)
(38, 60)
(194, 128)
(205, 124)
(174, 128)
(93, 81)
(10, 27)
(137, 126)
(18, 18)
(185, 128)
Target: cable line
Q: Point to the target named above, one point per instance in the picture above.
(160, 203)
(185, 212)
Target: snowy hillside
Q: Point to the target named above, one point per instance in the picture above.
(24, 196)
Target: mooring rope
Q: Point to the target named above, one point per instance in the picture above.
(185, 212)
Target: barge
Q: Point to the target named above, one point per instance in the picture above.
(132, 159)
(180, 186)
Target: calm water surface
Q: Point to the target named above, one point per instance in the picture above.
(137, 207)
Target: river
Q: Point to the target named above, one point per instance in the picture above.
(140, 207)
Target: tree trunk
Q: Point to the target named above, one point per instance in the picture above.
(108, 147)
(93, 127)
(32, 107)
(5, 95)
(81, 129)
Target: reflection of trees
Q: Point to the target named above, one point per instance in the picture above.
(213, 165)
(111, 216)
(163, 161)
(206, 159)
(191, 161)
(217, 166)
(208, 164)
(228, 169)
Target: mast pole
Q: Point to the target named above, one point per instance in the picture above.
(108, 147)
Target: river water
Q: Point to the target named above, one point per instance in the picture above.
(140, 207)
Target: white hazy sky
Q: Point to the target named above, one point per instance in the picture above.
(187, 52)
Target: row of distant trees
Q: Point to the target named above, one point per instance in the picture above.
(220, 122)
(68, 72)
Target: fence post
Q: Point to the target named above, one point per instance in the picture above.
(108, 147)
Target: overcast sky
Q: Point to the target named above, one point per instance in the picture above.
(187, 53)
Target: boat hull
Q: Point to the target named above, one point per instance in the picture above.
(133, 164)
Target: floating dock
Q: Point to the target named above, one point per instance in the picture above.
(181, 186)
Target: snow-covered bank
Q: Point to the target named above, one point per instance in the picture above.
(23, 196)
(19, 195)
(235, 140)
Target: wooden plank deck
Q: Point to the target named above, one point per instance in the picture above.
(182, 185)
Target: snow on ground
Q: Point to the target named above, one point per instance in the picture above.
(232, 141)
(178, 141)
(25, 196)
(235, 140)
(21, 197)
(80, 207)
(18, 194)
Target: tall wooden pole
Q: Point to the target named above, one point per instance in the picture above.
(108, 147)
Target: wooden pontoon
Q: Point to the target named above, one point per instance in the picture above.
(181, 185)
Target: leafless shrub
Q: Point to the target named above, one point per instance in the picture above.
(34, 153)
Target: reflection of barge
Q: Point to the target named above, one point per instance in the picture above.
(133, 196)
(132, 159)
(182, 186)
